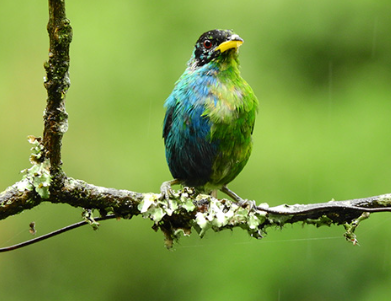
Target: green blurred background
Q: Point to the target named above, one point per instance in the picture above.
(322, 72)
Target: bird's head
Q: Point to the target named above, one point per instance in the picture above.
(213, 45)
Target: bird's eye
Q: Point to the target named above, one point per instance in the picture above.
(207, 44)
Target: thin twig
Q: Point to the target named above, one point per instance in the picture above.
(52, 234)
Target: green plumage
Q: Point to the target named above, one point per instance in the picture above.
(210, 115)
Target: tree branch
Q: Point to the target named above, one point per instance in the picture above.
(45, 181)
(56, 83)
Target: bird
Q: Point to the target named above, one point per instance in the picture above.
(210, 117)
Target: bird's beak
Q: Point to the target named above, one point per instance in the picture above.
(234, 42)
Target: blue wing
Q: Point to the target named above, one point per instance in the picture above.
(190, 152)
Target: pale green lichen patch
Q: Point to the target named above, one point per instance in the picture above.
(350, 228)
(36, 177)
(227, 215)
(206, 213)
(180, 209)
(384, 200)
(318, 222)
(154, 208)
(89, 218)
(23, 185)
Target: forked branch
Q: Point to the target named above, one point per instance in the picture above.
(45, 180)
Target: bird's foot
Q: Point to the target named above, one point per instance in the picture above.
(238, 200)
(166, 191)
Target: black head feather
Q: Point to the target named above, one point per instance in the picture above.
(205, 47)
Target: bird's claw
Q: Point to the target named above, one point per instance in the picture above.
(248, 203)
(238, 200)
(166, 191)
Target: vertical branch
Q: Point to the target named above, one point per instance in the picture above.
(56, 83)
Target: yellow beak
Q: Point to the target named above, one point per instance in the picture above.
(229, 45)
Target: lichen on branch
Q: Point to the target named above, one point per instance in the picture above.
(57, 83)
(183, 212)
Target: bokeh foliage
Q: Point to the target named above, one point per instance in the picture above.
(322, 73)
